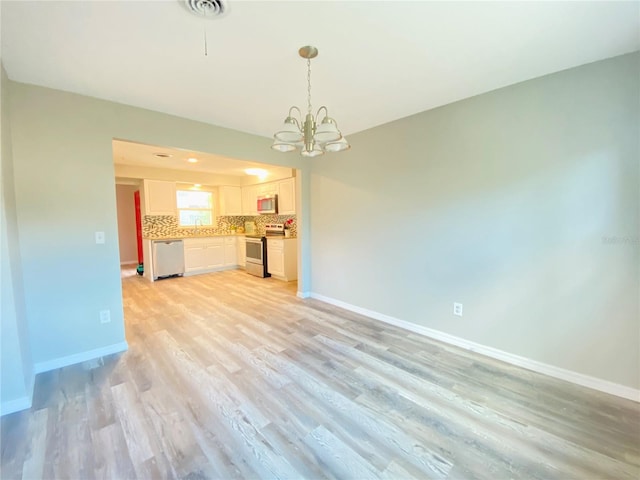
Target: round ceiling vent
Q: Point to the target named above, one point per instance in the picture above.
(207, 8)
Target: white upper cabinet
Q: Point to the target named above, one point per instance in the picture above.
(285, 189)
(270, 188)
(287, 196)
(159, 197)
(249, 200)
(230, 198)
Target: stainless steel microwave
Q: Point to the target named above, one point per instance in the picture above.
(268, 204)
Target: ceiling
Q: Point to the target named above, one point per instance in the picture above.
(141, 155)
(379, 61)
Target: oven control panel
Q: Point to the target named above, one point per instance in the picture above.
(274, 229)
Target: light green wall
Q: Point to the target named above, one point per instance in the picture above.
(500, 202)
(64, 179)
(16, 368)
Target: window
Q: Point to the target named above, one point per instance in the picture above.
(195, 207)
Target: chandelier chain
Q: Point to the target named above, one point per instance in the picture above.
(309, 84)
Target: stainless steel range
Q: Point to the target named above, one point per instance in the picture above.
(257, 256)
(257, 262)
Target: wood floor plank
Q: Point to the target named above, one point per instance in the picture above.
(208, 429)
(15, 443)
(112, 459)
(33, 466)
(175, 437)
(393, 437)
(69, 444)
(133, 425)
(337, 456)
(100, 403)
(229, 376)
(239, 423)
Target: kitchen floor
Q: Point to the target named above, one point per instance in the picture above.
(232, 376)
(127, 271)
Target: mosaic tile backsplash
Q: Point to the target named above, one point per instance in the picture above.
(166, 226)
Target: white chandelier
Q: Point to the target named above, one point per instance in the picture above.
(317, 134)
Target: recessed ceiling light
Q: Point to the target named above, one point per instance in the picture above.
(260, 172)
(197, 185)
(192, 160)
(163, 155)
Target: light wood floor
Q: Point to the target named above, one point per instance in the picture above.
(231, 376)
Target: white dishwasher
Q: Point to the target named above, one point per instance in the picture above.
(168, 258)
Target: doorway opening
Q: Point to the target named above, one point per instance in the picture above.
(156, 190)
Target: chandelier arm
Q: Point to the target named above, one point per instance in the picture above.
(299, 119)
(326, 113)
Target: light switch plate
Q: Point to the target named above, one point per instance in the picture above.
(99, 237)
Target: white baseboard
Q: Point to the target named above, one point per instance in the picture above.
(210, 270)
(24, 403)
(21, 403)
(11, 406)
(534, 365)
(303, 294)
(79, 357)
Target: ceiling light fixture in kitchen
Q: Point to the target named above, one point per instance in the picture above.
(316, 134)
(192, 160)
(259, 172)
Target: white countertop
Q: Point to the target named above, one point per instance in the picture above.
(182, 237)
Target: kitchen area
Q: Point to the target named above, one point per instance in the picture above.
(243, 221)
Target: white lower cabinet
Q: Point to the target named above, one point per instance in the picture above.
(194, 256)
(230, 251)
(275, 256)
(282, 258)
(242, 251)
(209, 254)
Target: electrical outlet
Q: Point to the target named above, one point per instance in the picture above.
(99, 237)
(105, 316)
(457, 309)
